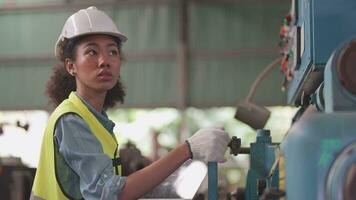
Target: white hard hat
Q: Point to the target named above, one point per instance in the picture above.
(85, 22)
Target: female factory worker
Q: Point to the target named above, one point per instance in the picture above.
(79, 158)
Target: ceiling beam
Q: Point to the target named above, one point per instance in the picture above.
(75, 5)
(154, 55)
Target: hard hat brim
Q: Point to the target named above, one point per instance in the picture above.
(63, 41)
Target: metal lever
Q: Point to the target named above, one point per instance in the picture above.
(235, 147)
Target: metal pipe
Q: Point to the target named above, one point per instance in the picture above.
(182, 65)
(212, 181)
(182, 54)
(244, 150)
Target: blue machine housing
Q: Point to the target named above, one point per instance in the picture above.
(262, 158)
(319, 150)
(310, 149)
(336, 97)
(322, 25)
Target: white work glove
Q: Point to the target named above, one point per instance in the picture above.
(209, 145)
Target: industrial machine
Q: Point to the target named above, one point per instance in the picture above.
(317, 158)
(318, 155)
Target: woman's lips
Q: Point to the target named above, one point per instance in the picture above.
(105, 76)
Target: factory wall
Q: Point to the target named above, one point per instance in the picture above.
(229, 43)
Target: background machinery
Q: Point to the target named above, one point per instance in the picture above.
(317, 158)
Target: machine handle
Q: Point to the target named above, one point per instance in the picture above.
(212, 181)
(235, 147)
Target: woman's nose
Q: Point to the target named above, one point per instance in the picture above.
(103, 61)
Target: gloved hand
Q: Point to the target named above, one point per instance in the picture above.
(209, 145)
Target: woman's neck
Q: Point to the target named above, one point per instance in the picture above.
(94, 99)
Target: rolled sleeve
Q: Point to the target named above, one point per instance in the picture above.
(83, 153)
(111, 184)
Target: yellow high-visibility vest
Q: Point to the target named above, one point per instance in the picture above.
(45, 185)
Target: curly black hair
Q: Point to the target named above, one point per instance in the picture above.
(61, 83)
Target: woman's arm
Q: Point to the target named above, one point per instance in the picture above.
(206, 144)
(144, 180)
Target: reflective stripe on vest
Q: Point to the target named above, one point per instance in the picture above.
(45, 185)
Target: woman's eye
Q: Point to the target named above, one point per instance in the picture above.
(91, 52)
(113, 53)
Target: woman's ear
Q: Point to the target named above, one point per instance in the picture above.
(69, 65)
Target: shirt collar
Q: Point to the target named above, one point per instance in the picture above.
(101, 116)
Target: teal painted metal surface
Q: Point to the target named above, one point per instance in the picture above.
(320, 149)
(212, 181)
(149, 28)
(29, 34)
(22, 86)
(243, 25)
(317, 20)
(336, 97)
(150, 83)
(311, 148)
(339, 173)
(262, 158)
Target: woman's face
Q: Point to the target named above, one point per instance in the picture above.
(96, 65)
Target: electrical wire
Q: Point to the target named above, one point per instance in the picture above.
(258, 79)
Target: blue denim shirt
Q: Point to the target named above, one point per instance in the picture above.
(82, 152)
